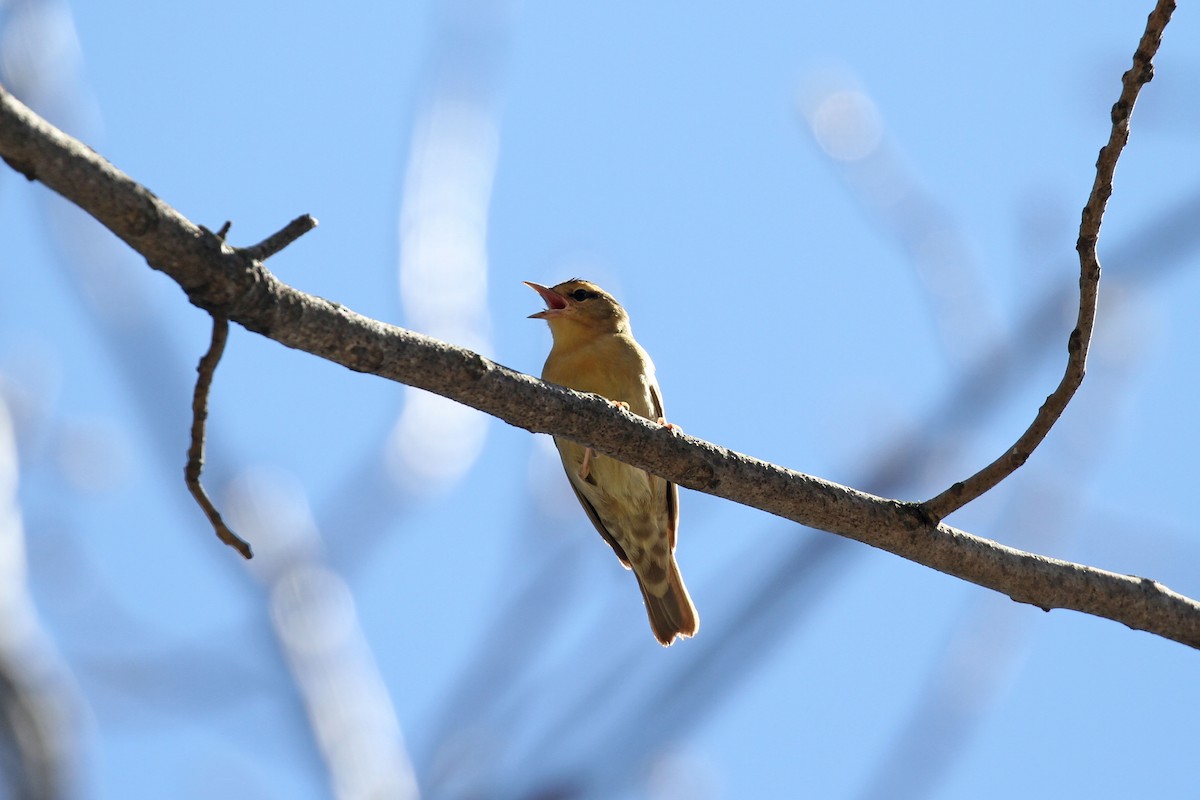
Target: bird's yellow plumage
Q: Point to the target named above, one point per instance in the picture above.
(637, 513)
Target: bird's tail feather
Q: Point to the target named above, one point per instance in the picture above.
(672, 614)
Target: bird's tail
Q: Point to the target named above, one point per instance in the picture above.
(672, 613)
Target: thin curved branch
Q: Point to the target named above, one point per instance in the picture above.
(195, 457)
(1137, 76)
(224, 280)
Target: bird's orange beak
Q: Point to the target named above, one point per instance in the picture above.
(555, 302)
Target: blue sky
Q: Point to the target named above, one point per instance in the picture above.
(819, 218)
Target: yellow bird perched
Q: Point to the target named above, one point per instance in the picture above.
(637, 513)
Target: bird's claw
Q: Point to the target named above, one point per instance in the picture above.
(585, 469)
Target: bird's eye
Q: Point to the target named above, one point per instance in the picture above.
(582, 294)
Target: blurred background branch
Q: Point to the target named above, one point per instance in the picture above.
(38, 708)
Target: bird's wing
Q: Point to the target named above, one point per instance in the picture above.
(656, 400)
(672, 512)
(672, 489)
(595, 518)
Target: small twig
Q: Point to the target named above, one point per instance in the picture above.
(277, 241)
(1132, 82)
(195, 462)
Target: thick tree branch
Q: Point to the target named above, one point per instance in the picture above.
(226, 281)
(1080, 339)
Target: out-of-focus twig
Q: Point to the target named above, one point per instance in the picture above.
(320, 635)
(991, 639)
(1132, 82)
(36, 737)
(443, 233)
(849, 129)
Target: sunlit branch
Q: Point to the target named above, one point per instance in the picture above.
(1137, 76)
(224, 280)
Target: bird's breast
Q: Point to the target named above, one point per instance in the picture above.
(614, 367)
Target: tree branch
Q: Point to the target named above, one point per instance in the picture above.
(226, 281)
(1080, 339)
(281, 239)
(195, 460)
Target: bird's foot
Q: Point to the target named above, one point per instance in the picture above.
(671, 426)
(585, 469)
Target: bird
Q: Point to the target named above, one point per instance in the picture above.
(636, 512)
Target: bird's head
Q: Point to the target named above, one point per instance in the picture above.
(579, 308)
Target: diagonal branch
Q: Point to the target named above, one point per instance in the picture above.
(224, 280)
(1137, 76)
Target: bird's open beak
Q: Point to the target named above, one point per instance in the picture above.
(555, 302)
